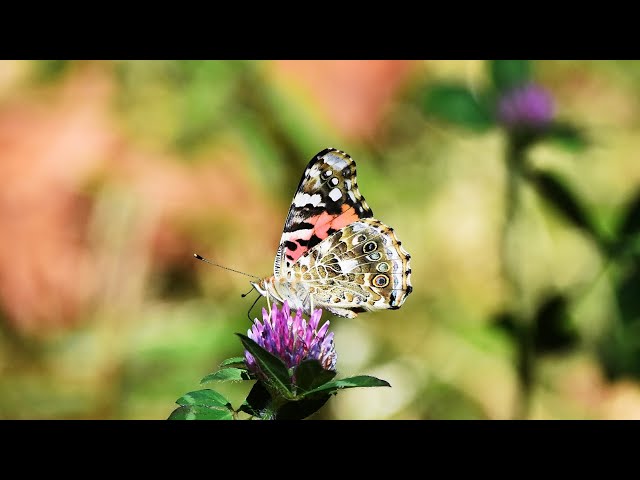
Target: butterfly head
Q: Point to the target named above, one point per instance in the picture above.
(267, 288)
(261, 287)
(281, 290)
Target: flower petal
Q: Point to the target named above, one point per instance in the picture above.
(292, 339)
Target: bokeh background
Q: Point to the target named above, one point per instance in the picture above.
(115, 172)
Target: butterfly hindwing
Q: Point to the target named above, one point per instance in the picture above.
(327, 200)
(362, 267)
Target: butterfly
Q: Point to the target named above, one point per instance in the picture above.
(333, 254)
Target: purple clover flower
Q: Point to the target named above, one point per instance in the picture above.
(526, 106)
(292, 339)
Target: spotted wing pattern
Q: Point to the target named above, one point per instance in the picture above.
(362, 267)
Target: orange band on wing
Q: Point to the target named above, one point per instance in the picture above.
(321, 225)
(347, 217)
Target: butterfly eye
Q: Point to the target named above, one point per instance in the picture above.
(381, 280)
(369, 247)
(382, 267)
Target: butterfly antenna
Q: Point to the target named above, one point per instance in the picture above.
(199, 257)
(252, 305)
(245, 294)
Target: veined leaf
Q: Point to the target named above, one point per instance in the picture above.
(274, 369)
(226, 375)
(351, 382)
(197, 412)
(310, 374)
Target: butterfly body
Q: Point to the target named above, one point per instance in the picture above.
(333, 254)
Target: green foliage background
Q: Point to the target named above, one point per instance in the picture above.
(205, 157)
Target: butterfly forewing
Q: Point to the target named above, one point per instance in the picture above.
(327, 200)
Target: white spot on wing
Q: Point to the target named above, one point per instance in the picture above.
(302, 199)
(335, 160)
(335, 194)
(304, 261)
(352, 196)
(324, 247)
(347, 265)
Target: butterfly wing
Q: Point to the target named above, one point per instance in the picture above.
(327, 200)
(361, 267)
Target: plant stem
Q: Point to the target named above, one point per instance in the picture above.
(516, 148)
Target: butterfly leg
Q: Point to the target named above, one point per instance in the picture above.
(268, 307)
(308, 300)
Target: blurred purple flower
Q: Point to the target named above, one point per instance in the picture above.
(526, 106)
(292, 339)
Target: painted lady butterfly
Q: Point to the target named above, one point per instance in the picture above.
(333, 254)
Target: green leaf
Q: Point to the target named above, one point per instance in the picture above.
(619, 351)
(226, 375)
(560, 197)
(507, 74)
(626, 292)
(202, 405)
(298, 410)
(197, 412)
(274, 368)
(508, 323)
(310, 374)
(554, 331)
(204, 398)
(237, 362)
(351, 382)
(257, 402)
(456, 104)
(567, 136)
(630, 223)
(626, 243)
